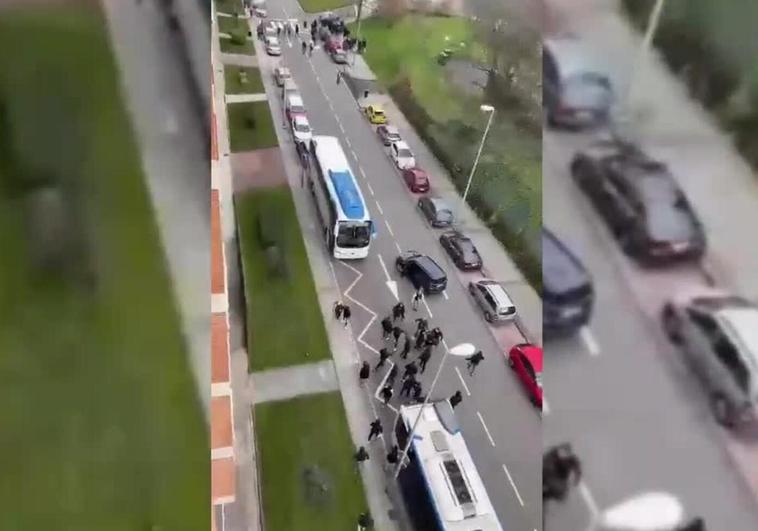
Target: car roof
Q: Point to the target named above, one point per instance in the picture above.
(430, 266)
(573, 56)
(301, 118)
(497, 290)
(401, 144)
(295, 99)
(417, 171)
(376, 108)
(534, 354)
(561, 269)
(439, 203)
(741, 325)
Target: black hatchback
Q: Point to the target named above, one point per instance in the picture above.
(461, 250)
(423, 272)
(641, 202)
(567, 292)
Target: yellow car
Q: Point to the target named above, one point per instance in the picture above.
(376, 115)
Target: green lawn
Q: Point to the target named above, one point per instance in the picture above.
(101, 426)
(284, 322)
(254, 84)
(250, 126)
(294, 436)
(228, 46)
(230, 24)
(229, 6)
(319, 6)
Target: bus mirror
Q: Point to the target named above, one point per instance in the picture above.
(373, 229)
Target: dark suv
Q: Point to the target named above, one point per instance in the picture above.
(422, 271)
(641, 202)
(567, 293)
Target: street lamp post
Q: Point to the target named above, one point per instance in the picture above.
(464, 349)
(491, 110)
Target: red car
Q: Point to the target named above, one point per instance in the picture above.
(417, 180)
(526, 361)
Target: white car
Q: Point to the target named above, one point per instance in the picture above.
(301, 129)
(282, 74)
(272, 46)
(402, 155)
(261, 12)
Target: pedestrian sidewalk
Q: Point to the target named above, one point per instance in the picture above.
(243, 98)
(673, 127)
(289, 382)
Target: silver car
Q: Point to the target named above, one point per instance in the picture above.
(494, 301)
(718, 334)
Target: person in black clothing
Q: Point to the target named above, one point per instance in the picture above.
(418, 296)
(398, 311)
(456, 399)
(305, 47)
(437, 336)
(361, 455)
(278, 31)
(393, 455)
(346, 314)
(421, 325)
(310, 49)
(473, 361)
(392, 375)
(698, 524)
(421, 339)
(338, 309)
(399, 334)
(417, 391)
(297, 29)
(407, 386)
(384, 355)
(386, 393)
(365, 372)
(410, 370)
(376, 429)
(424, 358)
(406, 348)
(386, 328)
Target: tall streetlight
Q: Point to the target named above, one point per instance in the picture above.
(463, 350)
(491, 110)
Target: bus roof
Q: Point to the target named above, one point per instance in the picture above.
(452, 479)
(332, 158)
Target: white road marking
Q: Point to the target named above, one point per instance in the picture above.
(389, 228)
(370, 189)
(347, 141)
(359, 303)
(463, 382)
(399, 249)
(486, 430)
(545, 407)
(341, 128)
(384, 267)
(588, 499)
(379, 207)
(352, 152)
(589, 341)
(428, 309)
(363, 174)
(510, 479)
(444, 294)
(444, 344)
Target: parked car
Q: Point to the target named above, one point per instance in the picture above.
(417, 180)
(290, 89)
(339, 56)
(333, 43)
(436, 211)
(423, 272)
(376, 114)
(266, 29)
(293, 106)
(493, 300)
(388, 134)
(272, 46)
(567, 291)
(575, 93)
(718, 334)
(260, 12)
(641, 202)
(281, 75)
(301, 129)
(402, 155)
(526, 361)
(461, 250)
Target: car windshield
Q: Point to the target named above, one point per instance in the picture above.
(352, 235)
(297, 109)
(667, 219)
(404, 153)
(467, 248)
(587, 91)
(378, 112)
(444, 215)
(302, 127)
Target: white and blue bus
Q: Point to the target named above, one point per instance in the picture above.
(346, 224)
(440, 484)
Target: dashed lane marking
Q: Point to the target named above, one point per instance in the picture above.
(513, 485)
(370, 189)
(463, 382)
(486, 430)
(444, 294)
(389, 228)
(379, 207)
(399, 249)
(589, 341)
(428, 309)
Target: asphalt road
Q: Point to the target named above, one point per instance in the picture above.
(501, 428)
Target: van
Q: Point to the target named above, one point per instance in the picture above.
(567, 292)
(423, 272)
(494, 301)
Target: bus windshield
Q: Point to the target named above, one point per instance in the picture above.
(352, 235)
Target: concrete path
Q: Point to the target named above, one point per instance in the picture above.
(289, 382)
(238, 59)
(242, 98)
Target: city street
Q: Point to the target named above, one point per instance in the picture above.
(619, 391)
(501, 427)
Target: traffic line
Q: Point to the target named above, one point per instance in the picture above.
(352, 152)
(588, 499)
(463, 382)
(400, 250)
(389, 228)
(444, 294)
(363, 173)
(347, 141)
(368, 184)
(510, 479)
(589, 341)
(545, 407)
(368, 310)
(379, 207)
(428, 309)
(486, 430)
